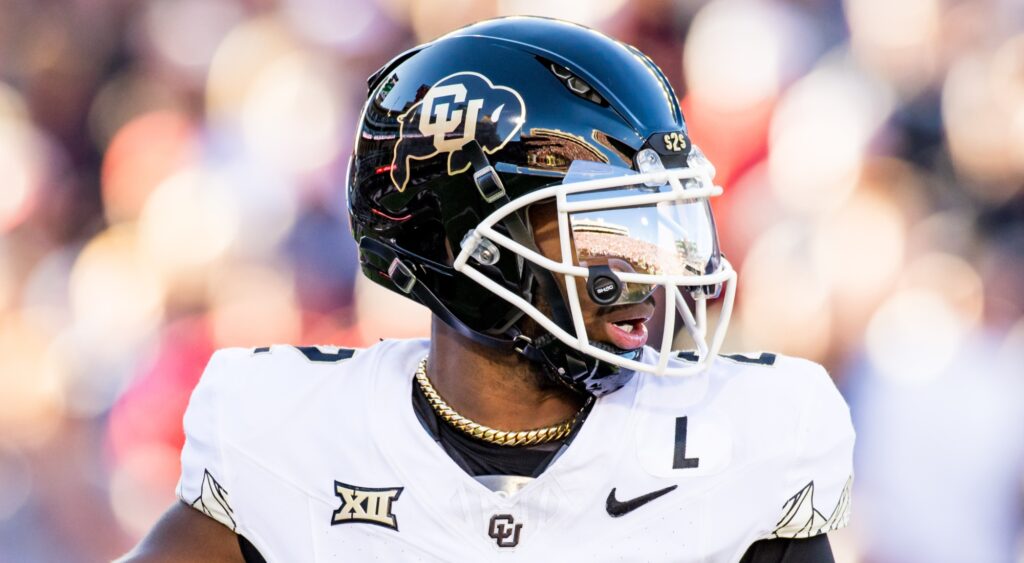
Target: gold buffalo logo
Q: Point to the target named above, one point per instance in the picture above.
(457, 109)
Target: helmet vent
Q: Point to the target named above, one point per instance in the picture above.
(575, 84)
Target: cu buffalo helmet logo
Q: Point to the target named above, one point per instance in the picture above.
(457, 109)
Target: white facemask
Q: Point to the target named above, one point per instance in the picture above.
(645, 231)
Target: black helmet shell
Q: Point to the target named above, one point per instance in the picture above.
(535, 94)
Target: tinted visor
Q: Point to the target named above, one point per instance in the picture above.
(669, 238)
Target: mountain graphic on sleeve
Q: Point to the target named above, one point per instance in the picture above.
(213, 501)
(800, 519)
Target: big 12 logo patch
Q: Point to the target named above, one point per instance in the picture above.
(457, 109)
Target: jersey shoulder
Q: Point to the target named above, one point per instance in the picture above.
(778, 382)
(268, 373)
(263, 408)
(770, 400)
(270, 384)
(778, 420)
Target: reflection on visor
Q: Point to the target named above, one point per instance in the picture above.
(667, 238)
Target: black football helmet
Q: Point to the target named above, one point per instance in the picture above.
(460, 136)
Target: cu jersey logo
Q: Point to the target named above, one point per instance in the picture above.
(504, 530)
(456, 110)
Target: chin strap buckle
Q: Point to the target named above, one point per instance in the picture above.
(533, 350)
(522, 344)
(486, 178)
(489, 184)
(401, 276)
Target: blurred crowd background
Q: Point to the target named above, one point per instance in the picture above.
(172, 182)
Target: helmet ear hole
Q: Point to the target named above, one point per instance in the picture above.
(603, 286)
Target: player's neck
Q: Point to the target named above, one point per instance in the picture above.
(500, 390)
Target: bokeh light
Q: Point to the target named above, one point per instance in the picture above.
(15, 480)
(188, 221)
(914, 335)
(901, 40)
(207, 21)
(238, 61)
(983, 111)
(30, 394)
(1012, 349)
(142, 486)
(859, 248)
(116, 298)
(44, 296)
(21, 158)
(6, 279)
(89, 379)
(919, 330)
(583, 12)
(952, 278)
(783, 294)
(318, 20)
(265, 205)
(254, 305)
(431, 19)
(290, 117)
(126, 96)
(820, 133)
(143, 153)
(735, 52)
(12, 104)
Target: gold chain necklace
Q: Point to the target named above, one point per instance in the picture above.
(486, 433)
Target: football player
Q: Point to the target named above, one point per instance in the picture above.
(532, 183)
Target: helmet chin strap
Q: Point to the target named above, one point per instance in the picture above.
(576, 370)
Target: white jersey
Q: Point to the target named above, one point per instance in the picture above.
(317, 454)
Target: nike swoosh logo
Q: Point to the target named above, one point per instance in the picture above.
(617, 508)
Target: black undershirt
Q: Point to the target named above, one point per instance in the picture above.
(784, 550)
(477, 457)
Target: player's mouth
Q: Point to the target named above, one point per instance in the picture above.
(627, 328)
